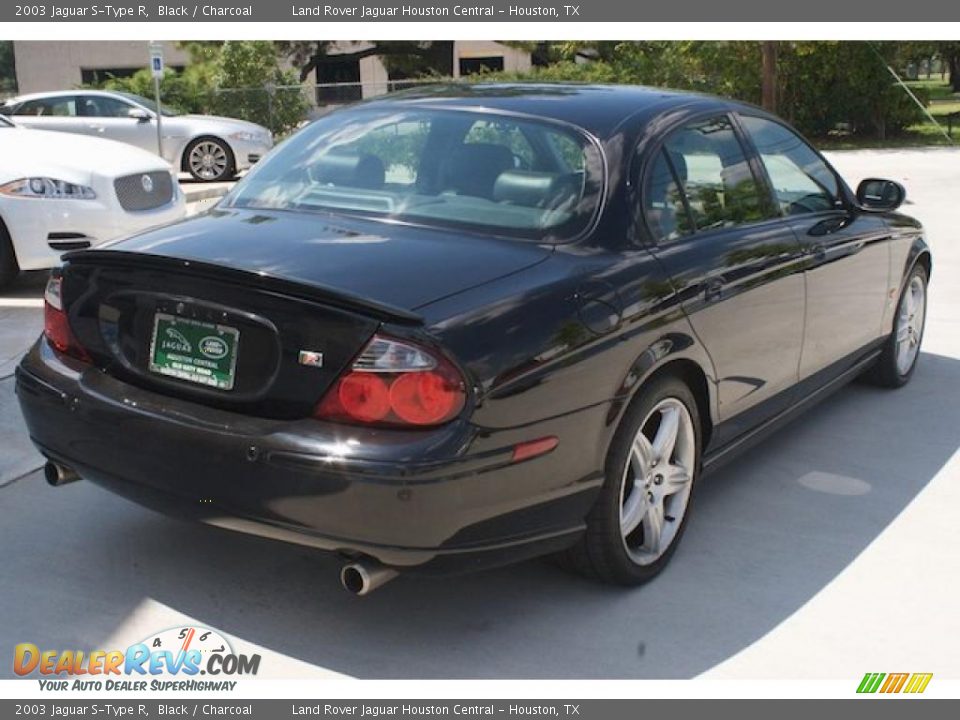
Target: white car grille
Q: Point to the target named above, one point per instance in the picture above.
(144, 191)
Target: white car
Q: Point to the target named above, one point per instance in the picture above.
(209, 147)
(62, 192)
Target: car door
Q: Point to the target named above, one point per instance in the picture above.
(735, 262)
(109, 117)
(53, 112)
(848, 260)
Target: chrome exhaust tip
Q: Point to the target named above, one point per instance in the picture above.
(57, 474)
(361, 578)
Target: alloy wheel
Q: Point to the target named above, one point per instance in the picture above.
(657, 481)
(910, 321)
(208, 160)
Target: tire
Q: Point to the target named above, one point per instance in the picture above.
(605, 551)
(897, 361)
(209, 159)
(9, 269)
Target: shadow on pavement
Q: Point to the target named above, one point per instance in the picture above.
(770, 531)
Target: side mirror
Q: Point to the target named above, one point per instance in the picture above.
(138, 114)
(878, 194)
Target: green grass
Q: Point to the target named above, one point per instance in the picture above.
(936, 88)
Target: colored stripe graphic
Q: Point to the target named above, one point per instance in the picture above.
(870, 682)
(894, 682)
(918, 682)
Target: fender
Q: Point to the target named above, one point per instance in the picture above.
(678, 347)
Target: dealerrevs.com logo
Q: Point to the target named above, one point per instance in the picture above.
(173, 659)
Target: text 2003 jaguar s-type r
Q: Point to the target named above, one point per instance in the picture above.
(464, 326)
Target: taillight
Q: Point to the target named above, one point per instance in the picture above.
(56, 327)
(396, 383)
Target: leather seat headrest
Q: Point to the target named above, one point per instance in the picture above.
(350, 170)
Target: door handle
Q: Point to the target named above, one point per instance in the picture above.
(713, 289)
(98, 128)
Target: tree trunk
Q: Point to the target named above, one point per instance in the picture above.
(769, 76)
(954, 63)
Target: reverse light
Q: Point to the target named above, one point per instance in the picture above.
(56, 326)
(47, 188)
(396, 383)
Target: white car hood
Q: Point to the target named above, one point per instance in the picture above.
(65, 156)
(218, 124)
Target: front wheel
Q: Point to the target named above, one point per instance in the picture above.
(652, 467)
(899, 357)
(209, 160)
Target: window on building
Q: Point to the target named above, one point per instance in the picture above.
(472, 66)
(338, 82)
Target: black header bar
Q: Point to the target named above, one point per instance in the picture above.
(570, 11)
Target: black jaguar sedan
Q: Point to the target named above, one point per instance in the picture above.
(463, 326)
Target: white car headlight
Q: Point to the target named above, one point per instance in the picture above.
(253, 137)
(44, 187)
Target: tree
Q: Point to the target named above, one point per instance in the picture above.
(8, 74)
(408, 58)
(949, 53)
(252, 86)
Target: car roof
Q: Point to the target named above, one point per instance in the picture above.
(599, 109)
(58, 93)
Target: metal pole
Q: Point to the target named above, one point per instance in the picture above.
(156, 91)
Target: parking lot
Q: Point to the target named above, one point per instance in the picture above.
(831, 549)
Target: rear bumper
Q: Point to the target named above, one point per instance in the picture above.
(438, 501)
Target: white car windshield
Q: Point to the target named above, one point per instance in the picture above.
(495, 173)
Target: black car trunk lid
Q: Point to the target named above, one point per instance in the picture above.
(158, 323)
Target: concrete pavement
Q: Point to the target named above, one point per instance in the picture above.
(829, 550)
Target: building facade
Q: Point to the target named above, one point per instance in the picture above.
(44, 66)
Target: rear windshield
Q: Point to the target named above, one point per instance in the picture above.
(476, 170)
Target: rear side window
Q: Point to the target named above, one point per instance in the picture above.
(65, 106)
(802, 182)
(666, 209)
(711, 168)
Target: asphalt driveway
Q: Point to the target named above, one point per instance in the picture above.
(831, 549)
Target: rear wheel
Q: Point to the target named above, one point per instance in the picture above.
(209, 159)
(641, 513)
(898, 360)
(9, 269)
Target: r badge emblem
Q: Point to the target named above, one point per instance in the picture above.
(147, 182)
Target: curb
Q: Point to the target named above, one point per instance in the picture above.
(196, 194)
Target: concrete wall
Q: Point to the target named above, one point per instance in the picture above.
(45, 65)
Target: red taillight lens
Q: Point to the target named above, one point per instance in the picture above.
(56, 327)
(395, 383)
(364, 396)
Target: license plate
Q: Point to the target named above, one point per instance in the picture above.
(195, 351)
